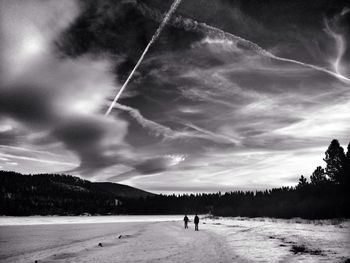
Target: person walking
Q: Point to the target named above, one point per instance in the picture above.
(196, 222)
(186, 221)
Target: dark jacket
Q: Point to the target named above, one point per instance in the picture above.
(196, 219)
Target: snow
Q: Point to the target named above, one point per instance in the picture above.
(274, 240)
(163, 239)
(53, 220)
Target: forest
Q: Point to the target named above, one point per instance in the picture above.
(325, 194)
(55, 194)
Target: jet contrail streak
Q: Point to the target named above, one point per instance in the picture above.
(191, 25)
(170, 134)
(154, 38)
(260, 50)
(266, 53)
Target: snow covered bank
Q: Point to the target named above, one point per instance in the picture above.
(53, 220)
(163, 239)
(112, 242)
(281, 240)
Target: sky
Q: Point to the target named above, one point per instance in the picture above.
(233, 95)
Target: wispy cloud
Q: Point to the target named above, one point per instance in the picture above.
(169, 134)
(36, 159)
(206, 110)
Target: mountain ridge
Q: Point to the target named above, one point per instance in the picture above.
(45, 194)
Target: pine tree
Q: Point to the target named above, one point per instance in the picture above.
(302, 182)
(347, 167)
(318, 177)
(335, 159)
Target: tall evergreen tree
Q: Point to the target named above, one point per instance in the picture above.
(335, 159)
(347, 167)
(302, 182)
(318, 177)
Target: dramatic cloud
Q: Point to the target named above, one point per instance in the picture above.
(231, 96)
(59, 97)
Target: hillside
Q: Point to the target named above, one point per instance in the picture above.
(121, 190)
(45, 194)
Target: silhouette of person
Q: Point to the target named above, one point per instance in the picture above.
(186, 221)
(196, 222)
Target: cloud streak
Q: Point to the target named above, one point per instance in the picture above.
(340, 41)
(169, 134)
(206, 110)
(216, 33)
(153, 39)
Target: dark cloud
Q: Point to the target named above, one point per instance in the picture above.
(59, 98)
(149, 166)
(8, 137)
(31, 105)
(214, 101)
(97, 141)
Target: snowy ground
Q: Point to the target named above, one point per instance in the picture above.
(163, 239)
(277, 240)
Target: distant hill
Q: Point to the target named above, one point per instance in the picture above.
(121, 190)
(46, 194)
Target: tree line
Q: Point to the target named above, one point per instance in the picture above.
(57, 194)
(325, 194)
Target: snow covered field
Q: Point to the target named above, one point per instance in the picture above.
(279, 240)
(163, 239)
(54, 220)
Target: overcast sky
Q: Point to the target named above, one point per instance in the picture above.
(233, 94)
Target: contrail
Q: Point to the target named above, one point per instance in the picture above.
(170, 134)
(266, 53)
(191, 25)
(155, 127)
(154, 38)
